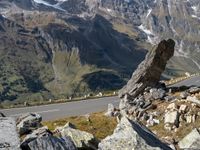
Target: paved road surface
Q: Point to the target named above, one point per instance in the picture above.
(56, 111)
(193, 81)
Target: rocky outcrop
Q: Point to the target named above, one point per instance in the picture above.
(144, 86)
(131, 135)
(191, 141)
(149, 71)
(9, 139)
(42, 139)
(81, 139)
(28, 122)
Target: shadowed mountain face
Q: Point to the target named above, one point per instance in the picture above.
(58, 48)
(25, 56)
(50, 54)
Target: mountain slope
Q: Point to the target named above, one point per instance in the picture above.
(83, 55)
(79, 46)
(24, 57)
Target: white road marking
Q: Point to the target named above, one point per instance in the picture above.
(39, 112)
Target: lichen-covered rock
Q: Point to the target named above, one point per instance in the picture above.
(28, 122)
(149, 71)
(49, 142)
(131, 135)
(81, 139)
(9, 139)
(191, 141)
(42, 139)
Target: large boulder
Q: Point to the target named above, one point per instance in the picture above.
(191, 141)
(131, 135)
(81, 139)
(9, 139)
(149, 71)
(42, 139)
(28, 122)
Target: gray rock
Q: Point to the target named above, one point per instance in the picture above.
(148, 97)
(42, 139)
(116, 113)
(145, 117)
(131, 135)
(110, 111)
(151, 121)
(50, 142)
(194, 90)
(193, 99)
(157, 93)
(188, 118)
(81, 139)
(146, 105)
(123, 103)
(36, 133)
(149, 71)
(172, 117)
(154, 94)
(184, 95)
(183, 109)
(190, 141)
(138, 102)
(172, 106)
(28, 122)
(70, 125)
(170, 98)
(9, 139)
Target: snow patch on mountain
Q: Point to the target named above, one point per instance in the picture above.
(148, 13)
(180, 52)
(145, 30)
(56, 6)
(196, 12)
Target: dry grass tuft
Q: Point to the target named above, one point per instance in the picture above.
(99, 125)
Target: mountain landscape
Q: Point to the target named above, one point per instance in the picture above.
(150, 116)
(61, 48)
